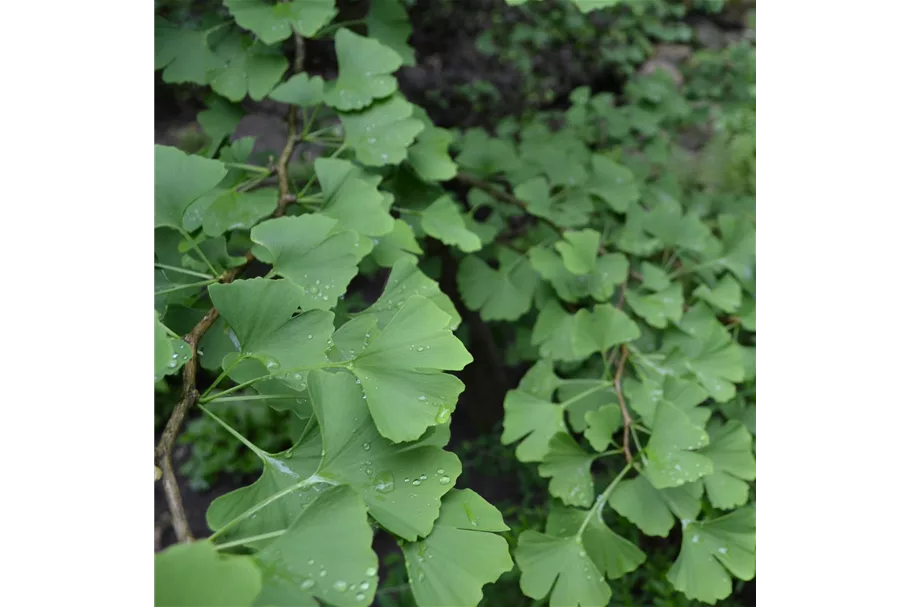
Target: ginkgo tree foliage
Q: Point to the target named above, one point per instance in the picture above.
(636, 307)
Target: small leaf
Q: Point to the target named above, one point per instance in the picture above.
(654, 278)
(563, 336)
(365, 68)
(545, 559)
(301, 89)
(183, 53)
(501, 294)
(612, 183)
(352, 198)
(388, 22)
(530, 415)
(248, 67)
(430, 155)
(602, 424)
(611, 554)
(726, 295)
(170, 354)
(569, 468)
(443, 221)
(670, 450)
(730, 449)
(179, 180)
(579, 250)
(273, 22)
(223, 211)
(610, 270)
(611, 327)
(460, 555)
(485, 155)
(381, 133)
(653, 510)
(397, 244)
(194, 574)
(658, 308)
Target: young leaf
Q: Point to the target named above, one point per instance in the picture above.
(179, 180)
(730, 449)
(654, 278)
(602, 424)
(569, 468)
(273, 22)
(325, 554)
(301, 89)
(381, 133)
(398, 244)
(312, 253)
(189, 575)
(501, 294)
(461, 554)
(443, 221)
(545, 559)
(430, 155)
(653, 510)
(388, 22)
(712, 552)
(611, 326)
(610, 270)
(248, 67)
(170, 353)
(563, 336)
(365, 68)
(579, 250)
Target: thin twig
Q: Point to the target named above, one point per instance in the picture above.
(503, 197)
(627, 420)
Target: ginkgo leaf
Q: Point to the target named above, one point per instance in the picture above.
(430, 154)
(352, 198)
(259, 311)
(170, 353)
(672, 460)
(398, 244)
(611, 553)
(310, 252)
(602, 424)
(381, 133)
(686, 395)
(325, 554)
(653, 510)
(194, 574)
(443, 221)
(613, 183)
(654, 278)
(530, 415)
(365, 68)
(730, 449)
(611, 326)
(710, 355)
(563, 336)
(610, 270)
(632, 237)
(183, 53)
(714, 550)
(561, 564)
(401, 370)
(302, 90)
(564, 210)
(581, 396)
(658, 308)
(485, 155)
(218, 122)
(451, 565)
(501, 294)
(226, 210)
(738, 235)
(406, 280)
(726, 295)
(569, 468)
(179, 180)
(667, 222)
(248, 68)
(273, 22)
(579, 250)
(747, 313)
(401, 484)
(388, 22)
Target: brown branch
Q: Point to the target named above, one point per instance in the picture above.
(627, 420)
(502, 196)
(189, 393)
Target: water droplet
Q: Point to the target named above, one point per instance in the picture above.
(384, 482)
(340, 585)
(416, 482)
(443, 415)
(174, 355)
(172, 364)
(360, 596)
(441, 471)
(322, 573)
(352, 587)
(444, 480)
(407, 480)
(420, 348)
(365, 585)
(366, 446)
(722, 550)
(307, 583)
(358, 382)
(422, 398)
(423, 477)
(309, 337)
(371, 571)
(368, 471)
(310, 562)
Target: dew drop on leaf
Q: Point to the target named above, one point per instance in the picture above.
(340, 585)
(444, 480)
(307, 584)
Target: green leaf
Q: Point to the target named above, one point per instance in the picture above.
(170, 353)
(653, 510)
(730, 449)
(223, 211)
(654, 278)
(569, 468)
(365, 68)
(194, 574)
(443, 221)
(381, 133)
(613, 183)
(602, 424)
(574, 337)
(611, 327)
(397, 244)
(565, 210)
(248, 67)
(352, 198)
(388, 22)
(273, 22)
(301, 89)
(312, 253)
(183, 53)
(530, 415)
(562, 564)
(453, 563)
(712, 551)
(401, 370)
(430, 154)
(686, 395)
(259, 311)
(747, 313)
(708, 352)
(325, 554)
(726, 295)
(672, 460)
(406, 280)
(580, 396)
(501, 294)
(218, 122)
(610, 270)
(179, 180)
(658, 308)
(579, 250)
(611, 553)
(485, 155)
(401, 484)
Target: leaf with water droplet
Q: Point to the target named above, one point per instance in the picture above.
(170, 353)
(183, 53)
(602, 424)
(569, 468)
(556, 566)
(733, 464)
(609, 271)
(398, 244)
(179, 180)
(531, 415)
(365, 68)
(612, 554)
(653, 510)
(658, 308)
(309, 250)
(381, 134)
(672, 459)
(352, 198)
(188, 575)
(405, 280)
(613, 183)
(273, 22)
(712, 552)
(302, 90)
(443, 221)
(468, 552)
(429, 156)
(335, 533)
(248, 66)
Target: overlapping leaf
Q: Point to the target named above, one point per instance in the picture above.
(273, 22)
(365, 71)
(189, 575)
(381, 133)
(501, 294)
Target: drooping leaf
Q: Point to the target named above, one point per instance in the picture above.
(381, 133)
(501, 294)
(273, 22)
(406, 280)
(461, 554)
(730, 449)
(443, 221)
(569, 468)
(388, 22)
(194, 574)
(302, 90)
(365, 68)
(179, 180)
(653, 510)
